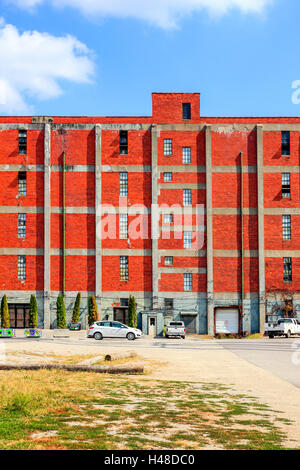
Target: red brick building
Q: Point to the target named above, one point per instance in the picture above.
(110, 221)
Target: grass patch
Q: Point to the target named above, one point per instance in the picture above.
(76, 410)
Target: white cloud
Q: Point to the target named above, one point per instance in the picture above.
(33, 64)
(164, 13)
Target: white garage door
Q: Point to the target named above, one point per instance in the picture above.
(227, 321)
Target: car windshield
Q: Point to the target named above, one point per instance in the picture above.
(285, 320)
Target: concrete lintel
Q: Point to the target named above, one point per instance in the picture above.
(176, 270)
(21, 210)
(185, 253)
(125, 252)
(10, 167)
(282, 211)
(73, 252)
(129, 168)
(282, 253)
(182, 168)
(124, 294)
(181, 186)
(74, 168)
(73, 210)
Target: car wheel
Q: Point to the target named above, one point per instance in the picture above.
(271, 336)
(131, 336)
(98, 336)
(167, 336)
(288, 335)
(183, 337)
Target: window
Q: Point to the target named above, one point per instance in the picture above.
(187, 197)
(169, 304)
(188, 281)
(23, 142)
(124, 268)
(124, 302)
(287, 269)
(186, 111)
(123, 225)
(186, 155)
(168, 260)
(286, 227)
(22, 183)
(168, 147)
(168, 177)
(286, 185)
(168, 218)
(123, 142)
(187, 239)
(285, 143)
(124, 184)
(22, 225)
(22, 267)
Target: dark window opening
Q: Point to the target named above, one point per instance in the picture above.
(124, 302)
(285, 143)
(23, 142)
(286, 185)
(169, 304)
(186, 110)
(22, 183)
(168, 147)
(287, 269)
(123, 142)
(22, 268)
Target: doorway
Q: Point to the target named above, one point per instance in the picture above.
(19, 315)
(152, 326)
(121, 315)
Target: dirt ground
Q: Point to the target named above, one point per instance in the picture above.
(212, 366)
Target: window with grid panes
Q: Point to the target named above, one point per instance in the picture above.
(22, 181)
(168, 146)
(22, 267)
(22, 225)
(22, 142)
(287, 269)
(168, 260)
(168, 176)
(168, 218)
(186, 155)
(286, 227)
(187, 197)
(286, 185)
(123, 225)
(124, 268)
(124, 184)
(188, 281)
(187, 239)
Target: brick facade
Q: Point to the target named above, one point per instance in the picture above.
(152, 278)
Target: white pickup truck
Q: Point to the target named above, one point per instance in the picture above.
(175, 328)
(283, 327)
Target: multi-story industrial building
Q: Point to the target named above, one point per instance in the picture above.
(197, 217)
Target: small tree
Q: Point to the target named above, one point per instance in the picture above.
(93, 310)
(61, 313)
(76, 311)
(5, 322)
(33, 314)
(132, 317)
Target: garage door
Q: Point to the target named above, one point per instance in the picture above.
(227, 321)
(190, 324)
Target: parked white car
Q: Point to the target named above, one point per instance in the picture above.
(112, 329)
(283, 327)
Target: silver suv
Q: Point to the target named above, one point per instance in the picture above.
(112, 329)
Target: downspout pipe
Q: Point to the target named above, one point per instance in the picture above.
(63, 223)
(242, 235)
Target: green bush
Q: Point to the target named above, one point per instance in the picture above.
(132, 316)
(5, 322)
(76, 311)
(93, 310)
(61, 313)
(33, 313)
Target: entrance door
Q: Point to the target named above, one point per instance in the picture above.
(152, 326)
(19, 315)
(121, 314)
(227, 321)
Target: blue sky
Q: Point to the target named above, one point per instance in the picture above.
(242, 60)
